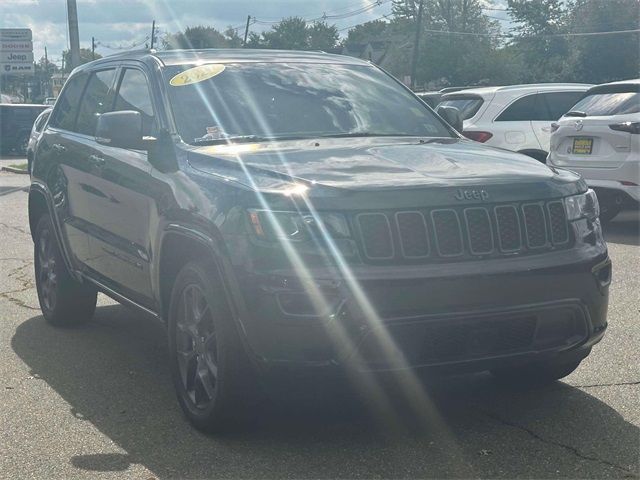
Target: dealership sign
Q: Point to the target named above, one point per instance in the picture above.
(15, 34)
(16, 51)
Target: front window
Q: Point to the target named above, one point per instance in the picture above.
(251, 101)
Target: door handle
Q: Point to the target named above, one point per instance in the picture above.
(96, 160)
(58, 148)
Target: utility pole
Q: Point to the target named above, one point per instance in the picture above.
(47, 80)
(153, 34)
(74, 35)
(93, 48)
(246, 31)
(416, 44)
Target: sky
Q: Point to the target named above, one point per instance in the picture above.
(118, 24)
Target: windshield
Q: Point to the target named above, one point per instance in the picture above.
(468, 106)
(215, 103)
(603, 104)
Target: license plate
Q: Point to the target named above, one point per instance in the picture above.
(582, 146)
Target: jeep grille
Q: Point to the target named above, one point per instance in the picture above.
(462, 232)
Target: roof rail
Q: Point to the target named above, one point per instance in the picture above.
(138, 51)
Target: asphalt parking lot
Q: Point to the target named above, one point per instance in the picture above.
(97, 401)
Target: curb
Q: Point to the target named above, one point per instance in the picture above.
(16, 170)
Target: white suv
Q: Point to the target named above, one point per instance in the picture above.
(515, 117)
(600, 139)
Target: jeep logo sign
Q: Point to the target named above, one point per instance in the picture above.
(480, 195)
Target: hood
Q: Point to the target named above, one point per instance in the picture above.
(370, 163)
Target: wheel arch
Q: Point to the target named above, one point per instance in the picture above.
(181, 244)
(37, 206)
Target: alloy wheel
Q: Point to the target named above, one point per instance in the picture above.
(47, 276)
(196, 349)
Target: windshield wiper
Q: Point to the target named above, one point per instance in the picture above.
(231, 139)
(575, 113)
(365, 134)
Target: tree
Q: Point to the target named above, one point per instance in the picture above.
(539, 43)
(464, 57)
(202, 37)
(294, 33)
(322, 36)
(604, 58)
(290, 33)
(85, 57)
(367, 32)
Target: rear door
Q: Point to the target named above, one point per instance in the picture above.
(121, 251)
(66, 171)
(550, 106)
(513, 125)
(594, 135)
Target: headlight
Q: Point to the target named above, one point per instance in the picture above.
(297, 226)
(584, 205)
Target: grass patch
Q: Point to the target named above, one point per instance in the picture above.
(19, 166)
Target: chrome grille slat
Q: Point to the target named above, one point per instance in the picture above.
(535, 225)
(558, 223)
(509, 234)
(479, 231)
(376, 235)
(413, 233)
(463, 232)
(448, 233)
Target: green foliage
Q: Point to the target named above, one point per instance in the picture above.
(600, 59)
(202, 37)
(295, 34)
(85, 57)
(537, 50)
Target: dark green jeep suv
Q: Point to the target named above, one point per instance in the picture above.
(305, 212)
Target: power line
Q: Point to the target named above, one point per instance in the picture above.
(333, 16)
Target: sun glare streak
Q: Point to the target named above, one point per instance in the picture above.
(378, 402)
(365, 381)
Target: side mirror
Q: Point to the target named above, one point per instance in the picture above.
(452, 116)
(120, 129)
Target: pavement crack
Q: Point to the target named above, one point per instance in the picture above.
(565, 446)
(14, 228)
(617, 384)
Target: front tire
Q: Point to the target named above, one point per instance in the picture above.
(63, 300)
(211, 372)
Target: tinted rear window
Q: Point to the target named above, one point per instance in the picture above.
(468, 106)
(603, 104)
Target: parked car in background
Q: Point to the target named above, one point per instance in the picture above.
(433, 98)
(600, 139)
(16, 121)
(36, 133)
(515, 117)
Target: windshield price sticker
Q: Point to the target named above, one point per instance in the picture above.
(197, 74)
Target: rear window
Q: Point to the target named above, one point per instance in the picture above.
(468, 105)
(604, 104)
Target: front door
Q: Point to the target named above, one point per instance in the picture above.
(121, 250)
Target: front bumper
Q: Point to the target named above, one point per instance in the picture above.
(471, 315)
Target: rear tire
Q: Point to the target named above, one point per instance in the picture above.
(211, 372)
(64, 301)
(536, 373)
